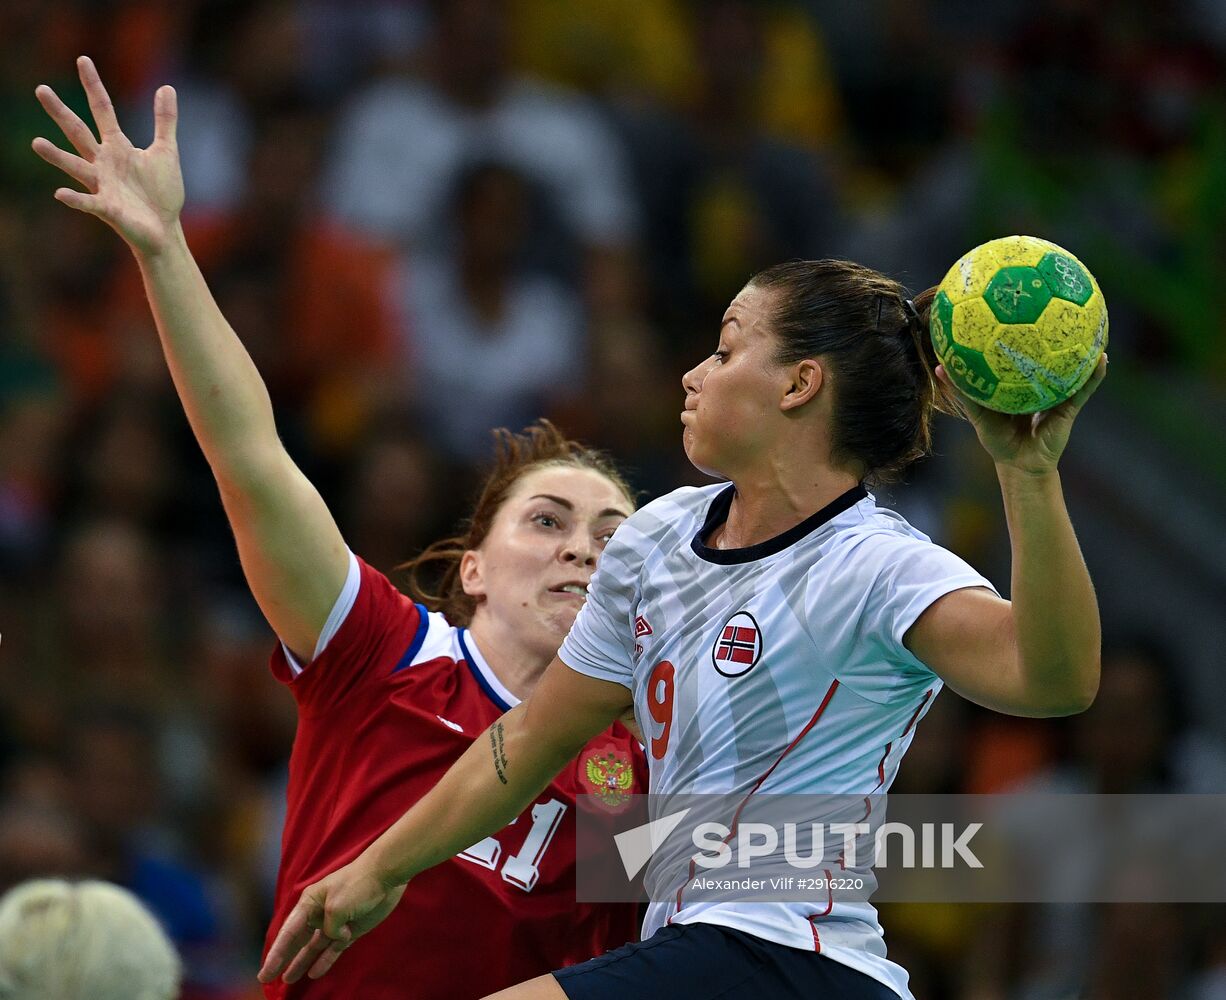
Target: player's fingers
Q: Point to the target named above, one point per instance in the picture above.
(99, 100)
(291, 938)
(307, 956)
(1094, 381)
(75, 130)
(165, 116)
(328, 959)
(335, 923)
(76, 167)
(79, 200)
(1081, 396)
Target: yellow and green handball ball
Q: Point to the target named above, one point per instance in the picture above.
(1019, 324)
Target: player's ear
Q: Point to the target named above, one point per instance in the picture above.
(804, 381)
(472, 573)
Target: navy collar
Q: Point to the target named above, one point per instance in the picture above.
(482, 683)
(717, 514)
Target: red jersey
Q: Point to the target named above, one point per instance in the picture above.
(395, 697)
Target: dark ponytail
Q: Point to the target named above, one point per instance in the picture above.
(940, 397)
(878, 354)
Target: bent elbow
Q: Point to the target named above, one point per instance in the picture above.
(1073, 699)
(1069, 706)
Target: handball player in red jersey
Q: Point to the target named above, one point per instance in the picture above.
(389, 694)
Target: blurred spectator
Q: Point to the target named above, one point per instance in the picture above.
(40, 839)
(243, 59)
(40, 40)
(108, 634)
(629, 405)
(490, 342)
(1141, 694)
(121, 466)
(117, 790)
(237, 817)
(652, 58)
(391, 511)
(86, 322)
(1134, 739)
(403, 143)
(30, 429)
(312, 300)
(88, 941)
(1141, 951)
(723, 198)
(345, 42)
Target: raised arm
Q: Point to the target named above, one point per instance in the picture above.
(492, 783)
(291, 550)
(1037, 655)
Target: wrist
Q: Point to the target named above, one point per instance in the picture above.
(1023, 482)
(1018, 476)
(174, 240)
(382, 868)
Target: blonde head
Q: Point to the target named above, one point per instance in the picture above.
(82, 941)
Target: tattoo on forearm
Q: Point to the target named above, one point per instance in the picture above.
(500, 756)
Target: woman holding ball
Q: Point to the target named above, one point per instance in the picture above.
(835, 624)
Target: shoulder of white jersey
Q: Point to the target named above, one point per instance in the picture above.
(682, 510)
(868, 519)
(881, 543)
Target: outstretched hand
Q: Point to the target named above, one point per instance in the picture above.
(329, 917)
(1028, 442)
(137, 192)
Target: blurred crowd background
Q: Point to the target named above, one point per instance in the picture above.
(427, 219)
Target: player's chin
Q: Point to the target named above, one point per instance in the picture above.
(559, 620)
(699, 456)
(692, 446)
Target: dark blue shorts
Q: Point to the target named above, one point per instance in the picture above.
(706, 962)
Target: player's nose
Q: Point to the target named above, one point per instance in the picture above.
(691, 381)
(580, 548)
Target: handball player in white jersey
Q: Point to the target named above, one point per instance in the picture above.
(822, 380)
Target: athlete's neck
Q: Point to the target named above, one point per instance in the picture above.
(517, 667)
(774, 501)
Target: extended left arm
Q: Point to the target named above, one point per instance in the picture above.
(1039, 654)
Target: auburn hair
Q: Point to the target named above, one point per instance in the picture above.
(432, 577)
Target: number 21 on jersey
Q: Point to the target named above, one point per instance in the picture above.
(521, 869)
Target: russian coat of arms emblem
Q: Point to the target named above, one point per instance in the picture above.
(610, 774)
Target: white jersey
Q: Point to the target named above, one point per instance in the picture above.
(786, 669)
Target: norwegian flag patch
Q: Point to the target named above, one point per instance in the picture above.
(739, 645)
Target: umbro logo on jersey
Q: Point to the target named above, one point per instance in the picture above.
(738, 647)
(641, 627)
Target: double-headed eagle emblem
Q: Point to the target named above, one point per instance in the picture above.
(611, 776)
